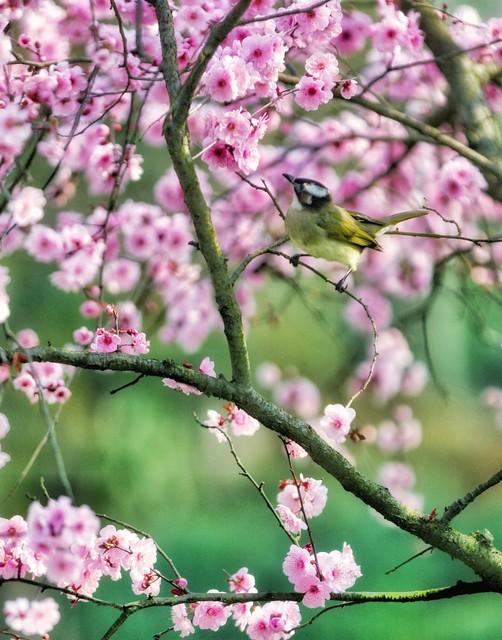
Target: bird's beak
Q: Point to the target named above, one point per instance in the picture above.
(289, 178)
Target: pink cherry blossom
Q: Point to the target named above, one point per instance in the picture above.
(355, 30)
(211, 615)
(4, 458)
(27, 338)
(273, 621)
(299, 395)
(90, 309)
(323, 66)
(313, 492)
(181, 621)
(83, 336)
(36, 617)
(268, 374)
(396, 475)
(207, 367)
(13, 530)
(4, 426)
(134, 342)
(242, 581)
(336, 423)
(339, 569)
(105, 341)
(291, 522)
(297, 564)
(27, 206)
(349, 88)
(4, 298)
(242, 424)
(312, 92)
(316, 591)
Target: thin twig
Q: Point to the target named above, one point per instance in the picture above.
(259, 486)
(65, 590)
(438, 236)
(249, 258)
(402, 564)
(374, 358)
(302, 507)
(266, 189)
(453, 510)
(46, 415)
(161, 551)
(285, 13)
(348, 293)
(127, 384)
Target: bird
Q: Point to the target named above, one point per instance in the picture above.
(325, 230)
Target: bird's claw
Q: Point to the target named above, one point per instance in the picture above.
(295, 260)
(341, 286)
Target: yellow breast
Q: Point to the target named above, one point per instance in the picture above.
(308, 236)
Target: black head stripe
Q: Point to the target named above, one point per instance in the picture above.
(316, 190)
(311, 192)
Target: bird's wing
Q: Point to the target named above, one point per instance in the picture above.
(341, 225)
(372, 225)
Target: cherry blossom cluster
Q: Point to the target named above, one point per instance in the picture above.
(31, 617)
(271, 621)
(298, 501)
(128, 341)
(139, 247)
(48, 378)
(317, 575)
(65, 544)
(235, 421)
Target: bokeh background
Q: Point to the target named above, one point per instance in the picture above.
(139, 455)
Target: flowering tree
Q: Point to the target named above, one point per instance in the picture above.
(393, 107)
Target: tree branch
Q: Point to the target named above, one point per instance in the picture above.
(183, 101)
(459, 505)
(178, 144)
(481, 129)
(491, 170)
(483, 558)
(465, 87)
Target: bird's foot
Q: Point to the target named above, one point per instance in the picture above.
(295, 260)
(341, 285)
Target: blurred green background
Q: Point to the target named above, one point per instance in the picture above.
(140, 457)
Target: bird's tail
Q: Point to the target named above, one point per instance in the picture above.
(396, 218)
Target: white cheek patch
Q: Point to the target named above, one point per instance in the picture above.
(316, 190)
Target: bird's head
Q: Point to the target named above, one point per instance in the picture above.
(310, 193)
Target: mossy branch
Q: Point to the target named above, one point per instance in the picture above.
(474, 551)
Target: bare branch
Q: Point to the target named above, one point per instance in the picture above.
(244, 472)
(453, 510)
(285, 13)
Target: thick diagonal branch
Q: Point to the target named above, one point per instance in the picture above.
(472, 550)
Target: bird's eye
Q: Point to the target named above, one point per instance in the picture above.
(316, 190)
